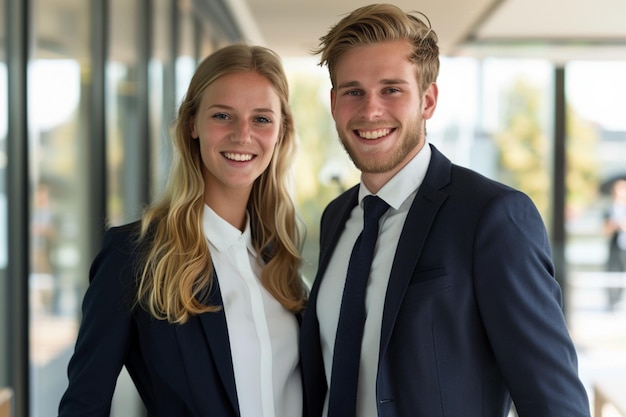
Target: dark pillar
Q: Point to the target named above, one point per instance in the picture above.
(559, 185)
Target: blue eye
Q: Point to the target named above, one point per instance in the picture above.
(221, 116)
(263, 119)
(353, 93)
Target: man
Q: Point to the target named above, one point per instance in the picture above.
(463, 314)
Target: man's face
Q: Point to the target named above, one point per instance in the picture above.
(378, 108)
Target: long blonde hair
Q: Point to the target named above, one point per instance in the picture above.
(178, 273)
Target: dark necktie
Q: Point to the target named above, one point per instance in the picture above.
(347, 352)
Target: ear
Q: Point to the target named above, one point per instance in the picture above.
(333, 99)
(429, 101)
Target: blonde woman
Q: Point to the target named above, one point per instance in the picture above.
(200, 300)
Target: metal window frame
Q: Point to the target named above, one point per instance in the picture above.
(18, 24)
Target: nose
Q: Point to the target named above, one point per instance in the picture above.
(372, 107)
(242, 133)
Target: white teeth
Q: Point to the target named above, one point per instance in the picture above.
(239, 157)
(374, 134)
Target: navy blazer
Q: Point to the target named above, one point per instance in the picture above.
(178, 369)
(472, 314)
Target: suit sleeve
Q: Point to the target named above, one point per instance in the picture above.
(105, 331)
(520, 305)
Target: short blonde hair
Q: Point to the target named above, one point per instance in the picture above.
(381, 23)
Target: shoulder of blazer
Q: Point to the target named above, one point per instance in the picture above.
(442, 173)
(125, 237)
(121, 249)
(439, 173)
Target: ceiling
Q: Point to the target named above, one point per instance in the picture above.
(551, 29)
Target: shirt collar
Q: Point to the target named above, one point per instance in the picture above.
(222, 235)
(405, 182)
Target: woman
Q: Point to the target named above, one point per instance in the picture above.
(199, 300)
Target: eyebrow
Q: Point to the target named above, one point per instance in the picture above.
(384, 81)
(225, 107)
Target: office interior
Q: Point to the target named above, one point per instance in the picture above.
(89, 89)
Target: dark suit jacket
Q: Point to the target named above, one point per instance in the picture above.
(179, 370)
(472, 313)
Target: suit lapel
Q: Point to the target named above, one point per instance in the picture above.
(214, 356)
(312, 362)
(333, 224)
(414, 233)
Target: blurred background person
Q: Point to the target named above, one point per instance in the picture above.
(615, 228)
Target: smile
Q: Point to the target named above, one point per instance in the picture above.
(239, 157)
(373, 134)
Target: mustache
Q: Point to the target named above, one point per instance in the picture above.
(370, 126)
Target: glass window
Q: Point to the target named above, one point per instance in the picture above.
(517, 117)
(3, 191)
(455, 124)
(3, 150)
(207, 42)
(161, 94)
(595, 246)
(122, 112)
(58, 197)
(124, 146)
(186, 59)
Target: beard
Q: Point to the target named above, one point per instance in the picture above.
(412, 138)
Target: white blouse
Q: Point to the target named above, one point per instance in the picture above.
(263, 335)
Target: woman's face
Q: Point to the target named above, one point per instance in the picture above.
(238, 125)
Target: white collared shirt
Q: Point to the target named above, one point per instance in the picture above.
(399, 193)
(263, 335)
